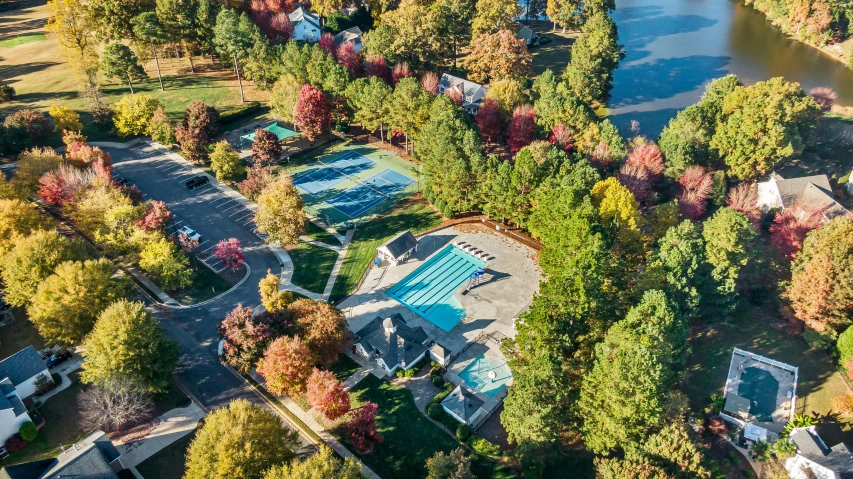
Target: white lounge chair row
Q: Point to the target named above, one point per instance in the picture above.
(471, 249)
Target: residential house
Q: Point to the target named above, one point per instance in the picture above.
(13, 413)
(350, 35)
(397, 249)
(815, 460)
(464, 406)
(22, 369)
(811, 192)
(528, 35)
(473, 94)
(306, 25)
(95, 457)
(392, 343)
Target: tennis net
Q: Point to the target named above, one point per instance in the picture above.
(354, 178)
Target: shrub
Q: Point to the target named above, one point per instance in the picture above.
(65, 119)
(437, 381)
(716, 425)
(447, 211)
(463, 432)
(439, 204)
(15, 443)
(239, 111)
(748, 473)
(399, 373)
(434, 410)
(57, 379)
(133, 113)
(483, 446)
(42, 384)
(33, 122)
(28, 431)
(410, 373)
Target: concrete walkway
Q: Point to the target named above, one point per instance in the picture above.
(63, 370)
(336, 269)
(355, 378)
(167, 429)
(314, 242)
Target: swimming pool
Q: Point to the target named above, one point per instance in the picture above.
(476, 375)
(428, 290)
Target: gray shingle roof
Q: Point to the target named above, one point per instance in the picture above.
(405, 344)
(22, 365)
(439, 350)
(6, 387)
(462, 402)
(90, 459)
(400, 244)
(303, 14)
(838, 459)
(27, 470)
(350, 34)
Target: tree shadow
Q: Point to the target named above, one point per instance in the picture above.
(664, 78)
(637, 33)
(651, 122)
(11, 30)
(9, 72)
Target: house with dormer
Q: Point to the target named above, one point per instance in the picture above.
(813, 193)
(473, 94)
(306, 25)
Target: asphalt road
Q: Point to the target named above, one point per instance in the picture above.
(216, 217)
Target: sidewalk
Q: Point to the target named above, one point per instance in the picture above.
(336, 269)
(167, 429)
(63, 370)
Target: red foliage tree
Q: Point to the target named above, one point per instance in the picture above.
(312, 112)
(454, 95)
(361, 430)
(273, 21)
(258, 178)
(636, 179)
(790, 227)
(600, 155)
(280, 27)
(375, 66)
(286, 365)
(36, 124)
(285, 6)
(245, 337)
(194, 142)
(156, 216)
(743, 198)
(266, 148)
(562, 137)
(695, 187)
(80, 154)
(230, 253)
(521, 127)
(650, 158)
(488, 120)
(824, 97)
(430, 82)
(349, 59)
(206, 118)
(327, 395)
(401, 70)
(327, 43)
(52, 189)
(102, 169)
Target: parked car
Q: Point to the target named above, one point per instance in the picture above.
(122, 181)
(191, 233)
(197, 181)
(46, 353)
(58, 358)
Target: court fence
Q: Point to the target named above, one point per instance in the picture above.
(338, 220)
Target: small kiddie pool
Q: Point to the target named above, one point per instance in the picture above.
(428, 290)
(486, 375)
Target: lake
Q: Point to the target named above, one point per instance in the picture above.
(674, 47)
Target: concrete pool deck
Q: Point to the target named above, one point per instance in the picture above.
(512, 278)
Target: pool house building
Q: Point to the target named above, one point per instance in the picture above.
(397, 249)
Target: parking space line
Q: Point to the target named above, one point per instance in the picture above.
(249, 222)
(208, 249)
(244, 216)
(236, 213)
(235, 204)
(173, 167)
(220, 199)
(204, 188)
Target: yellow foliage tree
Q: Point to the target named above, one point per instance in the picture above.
(620, 214)
(280, 212)
(272, 297)
(75, 33)
(133, 113)
(65, 119)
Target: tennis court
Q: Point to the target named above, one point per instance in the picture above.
(354, 201)
(329, 174)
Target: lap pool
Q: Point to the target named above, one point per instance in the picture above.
(486, 375)
(428, 290)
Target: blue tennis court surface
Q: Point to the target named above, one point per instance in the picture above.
(428, 290)
(329, 174)
(354, 201)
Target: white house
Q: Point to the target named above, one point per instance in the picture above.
(528, 35)
(392, 343)
(13, 413)
(306, 25)
(22, 369)
(95, 457)
(812, 192)
(473, 94)
(350, 35)
(398, 248)
(464, 406)
(815, 459)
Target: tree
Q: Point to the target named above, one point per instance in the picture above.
(284, 97)
(375, 66)
(411, 34)
(824, 97)
(127, 342)
(488, 120)
(729, 248)
(246, 337)
(160, 127)
(455, 22)
(133, 113)
(167, 263)
(34, 123)
(243, 440)
(681, 253)
(266, 148)
(119, 61)
(321, 465)
(155, 217)
(31, 260)
(495, 15)
(225, 162)
(272, 297)
(508, 94)
(370, 102)
(361, 429)
(521, 128)
(7, 92)
(146, 27)
(327, 395)
(229, 252)
(322, 327)
(409, 106)
(455, 465)
(205, 118)
(743, 198)
(286, 365)
(401, 70)
(116, 405)
(233, 38)
(430, 82)
(313, 112)
(280, 212)
(257, 179)
(821, 290)
(68, 302)
(194, 143)
(790, 227)
(498, 56)
(695, 187)
(65, 119)
(18, 220)
(763, 124)
(350, 59)
(595, 55)
(619, 212)
(75, 34)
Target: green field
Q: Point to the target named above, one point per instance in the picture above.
(319, 234)
(312, 266)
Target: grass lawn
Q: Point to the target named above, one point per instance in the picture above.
(819, 381)
(312, 266)
(344, 367)
(554, 55)
(168, 463)
(19, 334)
(409, 437)
(412, 213)
(22, 40)
(319, 234)
(206, 284)
(171, 399)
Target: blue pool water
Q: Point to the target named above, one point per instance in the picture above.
(476, 375)
(428, 290)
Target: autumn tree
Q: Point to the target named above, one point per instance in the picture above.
(243, 440)
(206, 118)
(67, 303)
(245, 337)
(350, 59)
(595, 55)
(401, 70)
(430, 82)
(230, 253)
(327, 395)
(119, 61)
(272, 297)
(117, 405)
(65, 119)
(324, 464)
(455, 465)
(323, 329)
(743, 198)
(493, 16)
(562, 137)
(280, 212)
(284, 97)
(361, 429)
(313, 113)
(522, 127)
(17, 221)
(496, 56)
(75, 34)
(257, 179)
(31, 260)
(488, 120)
(167, 263)
(694, 188)
(824, 97)
(194, 143)
(155, 217)
(225, 162)
(133, 113)
(790, 227)
(265, 148)
(127, 342)
(160, 127)
(411, 34)
(286, 365)
(821, 289)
